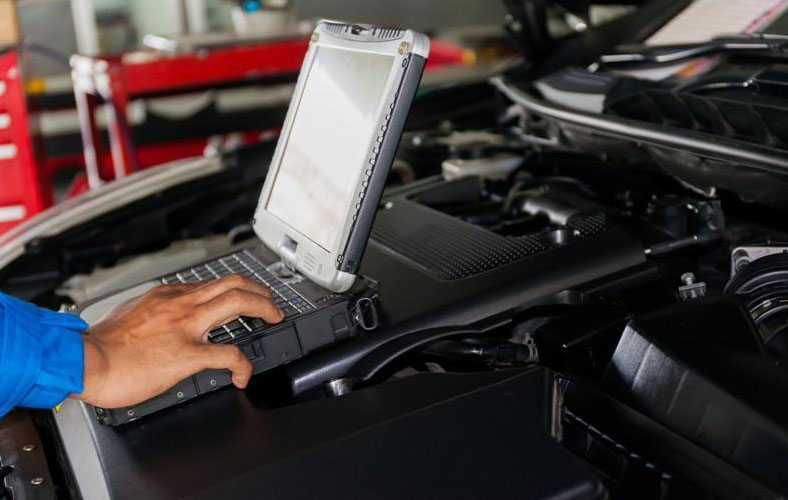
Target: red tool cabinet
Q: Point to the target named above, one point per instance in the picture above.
(24, 188)
(117, 80)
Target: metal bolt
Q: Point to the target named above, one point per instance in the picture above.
(179, 394)
(130, 413)
(212, 382)
(29, 447)
(37, 481)
(688, 278)
(740, 259)
(339, 387)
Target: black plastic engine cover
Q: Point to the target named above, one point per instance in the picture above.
(482, 435)
(699, 370)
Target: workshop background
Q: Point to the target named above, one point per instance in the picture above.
(95, 90)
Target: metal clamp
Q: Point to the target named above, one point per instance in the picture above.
(366, 314)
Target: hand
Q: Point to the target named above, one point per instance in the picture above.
(147, 345)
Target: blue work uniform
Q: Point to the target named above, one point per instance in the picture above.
(42, 358)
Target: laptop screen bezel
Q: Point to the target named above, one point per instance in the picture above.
(311, 259)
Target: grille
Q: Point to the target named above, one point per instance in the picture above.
(452, 249)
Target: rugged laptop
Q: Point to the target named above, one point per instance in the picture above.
(316, 207)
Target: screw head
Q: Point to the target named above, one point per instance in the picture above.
(314, 37)
(403, 48)
(29, 447)
(37, 481)
(688, 278)
(130, 413)
(213, 382)
(179, 394)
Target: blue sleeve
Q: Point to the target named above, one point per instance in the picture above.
(42, 357)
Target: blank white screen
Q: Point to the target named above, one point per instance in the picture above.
(326, 152)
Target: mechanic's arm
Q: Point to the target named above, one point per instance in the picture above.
(142, 348)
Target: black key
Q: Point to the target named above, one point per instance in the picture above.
(256, 323)
(219, 335)
(289, 310)
(239, 334)
(235, 325)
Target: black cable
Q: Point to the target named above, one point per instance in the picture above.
(580, 185)
(671, 246)
(371, 364)
(485, 352)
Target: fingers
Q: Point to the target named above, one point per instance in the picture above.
(217, 287)
(225, 356)
(233, 303)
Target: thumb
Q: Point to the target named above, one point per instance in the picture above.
(228, 357)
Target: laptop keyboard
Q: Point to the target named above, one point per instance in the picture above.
(246, 264)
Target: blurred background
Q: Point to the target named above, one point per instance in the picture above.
(101, 26)
(180, 78)
(100, 89)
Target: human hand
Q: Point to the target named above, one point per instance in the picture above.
(148, 344)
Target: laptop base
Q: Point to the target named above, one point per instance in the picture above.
(323, 318)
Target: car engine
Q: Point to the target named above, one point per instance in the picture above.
(631, 263)
(654, 308)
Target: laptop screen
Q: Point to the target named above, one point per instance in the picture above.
(324, 156)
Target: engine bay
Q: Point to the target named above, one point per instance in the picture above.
(497, 253)
(583, 295)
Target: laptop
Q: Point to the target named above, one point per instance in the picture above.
(316, 207)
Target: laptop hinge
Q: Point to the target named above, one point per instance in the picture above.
(287, 252)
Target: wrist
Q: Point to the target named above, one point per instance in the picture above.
(95, 372)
